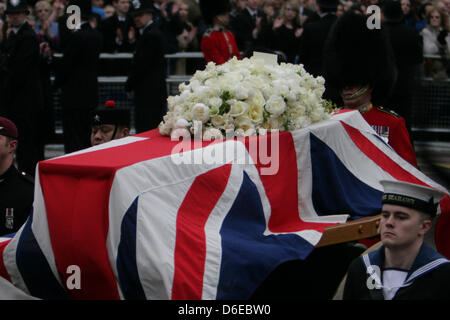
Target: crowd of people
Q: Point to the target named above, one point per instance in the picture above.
(296, 30)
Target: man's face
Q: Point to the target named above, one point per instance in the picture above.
(7, 146)
(16, 19)
(122, 6)
(356, 96)
(104, 133)
(141, 19)
(400, 227)
(253, 4)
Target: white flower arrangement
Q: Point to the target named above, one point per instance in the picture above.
(245, 97)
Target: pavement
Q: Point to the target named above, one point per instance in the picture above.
(433, 159)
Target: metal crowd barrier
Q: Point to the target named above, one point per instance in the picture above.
(430, 110)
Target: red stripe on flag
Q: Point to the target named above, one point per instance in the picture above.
(77, 214)
(282, 187)
(190, 246)
(3, 272)
(380, 158)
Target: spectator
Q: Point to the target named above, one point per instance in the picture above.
(218, 45)
(287, 30)
(77, 77)
(408, 51)
(46, 29)
(404, 267)
(314, 36)
(436, 41)
(422, 18)
(16, 188)
(109, 123)
(97, 8)
(237, 7)
(187, 40)
(58, 7)
(251, 28)
(167, 19)
(118, 31)
(195, 14)
(21, 89)
(147, 77)
(340, 9)
(410, 17)
(308, 12)
(366, 88)
(109, 11)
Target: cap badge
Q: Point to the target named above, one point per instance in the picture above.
(15, 2)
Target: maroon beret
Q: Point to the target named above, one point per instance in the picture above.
(8, 128)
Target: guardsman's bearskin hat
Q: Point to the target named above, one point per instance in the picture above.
(211, 8)
(357, 55)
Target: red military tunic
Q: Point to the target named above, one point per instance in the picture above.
(390, 125)
(219, 46)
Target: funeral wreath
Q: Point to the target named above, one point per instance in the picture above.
(245, 97)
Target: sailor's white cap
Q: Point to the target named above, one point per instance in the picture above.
(411, 195)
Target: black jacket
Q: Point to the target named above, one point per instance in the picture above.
(78, 70)
(19, 74)
(147, 76)
(109, 28)
(312, 44)
(16, 199)
(242, 27)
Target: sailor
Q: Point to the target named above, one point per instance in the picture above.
(218, 44)
(359, 63)
(16, 187)
(404, 267)
(109, 123)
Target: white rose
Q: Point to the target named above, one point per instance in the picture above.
(180, 133)
(212, 133)
(256, 113)
(164, 129)
(256, 99)
(243, 122)
(239, 133)
(215, 102)
(250, 132)
(238, 108)
(200, 112)
(275, 105)
(299, 123)
(181, 123)
(217, 120)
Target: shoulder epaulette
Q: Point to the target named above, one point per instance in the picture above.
(25, 176)
(389, 111)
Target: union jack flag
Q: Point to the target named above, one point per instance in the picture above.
(138, 225)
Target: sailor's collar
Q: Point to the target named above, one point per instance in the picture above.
(426, 260)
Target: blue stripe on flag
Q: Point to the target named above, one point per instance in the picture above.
(34, 268)
(126, 256)
(248, 256)
(335, 189)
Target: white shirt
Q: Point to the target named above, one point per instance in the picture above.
(393, 279)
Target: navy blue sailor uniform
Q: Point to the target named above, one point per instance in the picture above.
(428, 278)
(16, 199)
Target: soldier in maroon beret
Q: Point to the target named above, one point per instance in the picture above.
(16, 188)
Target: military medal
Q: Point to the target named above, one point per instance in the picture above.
(9, 221)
